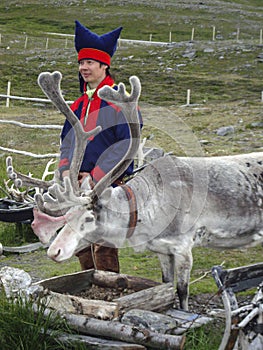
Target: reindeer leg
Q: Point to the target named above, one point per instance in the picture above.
(167, 266)
(183, 266)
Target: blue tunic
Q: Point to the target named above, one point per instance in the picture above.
(107, 148)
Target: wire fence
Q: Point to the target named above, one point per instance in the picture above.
(49, 40)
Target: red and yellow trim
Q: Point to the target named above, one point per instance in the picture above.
(97, 173)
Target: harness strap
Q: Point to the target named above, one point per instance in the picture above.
(133, 210)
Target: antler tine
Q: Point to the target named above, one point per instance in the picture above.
(129, 104)
(120, 96)
(59, 199)
(24, 180)
(50, 84)
(42, 207)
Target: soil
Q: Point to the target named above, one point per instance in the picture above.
(106, 294)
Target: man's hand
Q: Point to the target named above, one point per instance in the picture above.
(65, 173)
(84, 176)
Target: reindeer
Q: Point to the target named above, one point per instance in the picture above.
(173, 205)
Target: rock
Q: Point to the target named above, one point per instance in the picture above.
(257, 124)
(18, 283)
(209, 50)
(225, 130)
(14, 280)
(204, 142)
(189, 54)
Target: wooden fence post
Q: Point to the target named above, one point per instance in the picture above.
(8, 93)
(238, 32)
(188, 97)
(25, 46)
(214, 33)
(193, 33)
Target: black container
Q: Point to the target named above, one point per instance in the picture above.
(12, 211)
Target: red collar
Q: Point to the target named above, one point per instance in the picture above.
(108, 80)
(133, 210)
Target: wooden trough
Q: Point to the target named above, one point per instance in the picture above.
(143, 319)
(63, 293)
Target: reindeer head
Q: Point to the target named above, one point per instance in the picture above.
(67, 205)
(73, 237)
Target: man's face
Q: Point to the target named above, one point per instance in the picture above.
(92, 72)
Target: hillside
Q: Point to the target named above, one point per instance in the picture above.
(222, 63)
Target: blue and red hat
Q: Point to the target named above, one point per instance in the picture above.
(89, 45)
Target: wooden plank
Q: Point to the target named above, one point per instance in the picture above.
(98, 343)
(155, 298)
(240, 278)
(115, 330)
(186, 319)
(70, 283)
(75, 282)
(121, 281)
(164, 323)
(120, 331)
(150, 320)
(69, 303)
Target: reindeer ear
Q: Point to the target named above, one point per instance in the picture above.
(106, 196)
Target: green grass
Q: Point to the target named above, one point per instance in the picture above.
(23, 328)
(207, 337)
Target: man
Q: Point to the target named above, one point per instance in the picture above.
(107, 148)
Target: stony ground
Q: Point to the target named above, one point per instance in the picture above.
(203, 303)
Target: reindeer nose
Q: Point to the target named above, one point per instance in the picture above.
(58, 253)
(54, 254)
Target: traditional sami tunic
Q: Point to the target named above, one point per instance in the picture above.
(107, 148)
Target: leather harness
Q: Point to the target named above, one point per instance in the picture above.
(133, 210)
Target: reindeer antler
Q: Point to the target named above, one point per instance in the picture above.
(59, 199)
(50, 84)
(129, 106)
(120, 96)
(20, 179)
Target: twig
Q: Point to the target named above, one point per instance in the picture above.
(205, 274)
(200, 278)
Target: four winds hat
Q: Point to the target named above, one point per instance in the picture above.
(89, 45)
